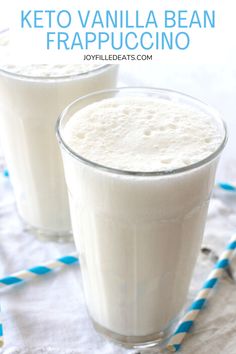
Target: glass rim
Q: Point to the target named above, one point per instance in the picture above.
(50, 78)
(55, 78)
(124, 172)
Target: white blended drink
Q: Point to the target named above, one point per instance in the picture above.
(31, 99)
(140, 166)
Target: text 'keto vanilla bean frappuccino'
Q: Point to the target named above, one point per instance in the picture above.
(31, 99)
(140, 166)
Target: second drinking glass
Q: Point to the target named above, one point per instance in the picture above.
(30, 101)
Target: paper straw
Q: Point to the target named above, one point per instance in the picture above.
(39, 270)
(188, 319)
(5, 172)
(226, 186)
(34, 272)
(1, 334)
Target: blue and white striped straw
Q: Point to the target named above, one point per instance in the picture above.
(226, 186)
(34, 272)
(187, 321)
(1, 334)
(39, 270)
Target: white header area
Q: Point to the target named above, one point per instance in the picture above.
(68, 31)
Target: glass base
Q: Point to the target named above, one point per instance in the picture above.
(156, 340)
(48, 235)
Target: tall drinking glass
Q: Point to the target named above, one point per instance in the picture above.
(138, 233)
(29, 106)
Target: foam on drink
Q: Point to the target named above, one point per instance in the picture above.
(142, 134)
